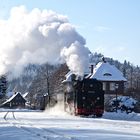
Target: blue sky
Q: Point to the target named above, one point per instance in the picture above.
(110, 27)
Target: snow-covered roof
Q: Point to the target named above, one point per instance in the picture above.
(103, 71)
(25, 94)
(69, 76)
(106, 72)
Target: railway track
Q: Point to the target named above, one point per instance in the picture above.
(35, 131)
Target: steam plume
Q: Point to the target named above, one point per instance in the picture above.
(38, 37)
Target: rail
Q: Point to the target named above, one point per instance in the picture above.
(25, 126)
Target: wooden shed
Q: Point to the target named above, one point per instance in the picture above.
(16, 101)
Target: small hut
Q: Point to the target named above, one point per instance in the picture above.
(16, 101)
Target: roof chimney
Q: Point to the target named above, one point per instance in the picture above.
(103, 59)
(92, 69)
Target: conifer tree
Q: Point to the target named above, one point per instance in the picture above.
(3, 86)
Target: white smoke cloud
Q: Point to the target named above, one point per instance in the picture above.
(38, 37)
(75, 56)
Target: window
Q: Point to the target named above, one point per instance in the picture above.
(107, 74)
(104, 86)
(112, 86)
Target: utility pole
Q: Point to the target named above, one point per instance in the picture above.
(131, 78)
(116, 87)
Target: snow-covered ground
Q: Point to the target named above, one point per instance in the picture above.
(50, 125)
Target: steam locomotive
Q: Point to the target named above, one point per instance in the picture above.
(84, 97)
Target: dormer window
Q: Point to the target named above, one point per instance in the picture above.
(107, 74)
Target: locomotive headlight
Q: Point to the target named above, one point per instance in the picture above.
(98, 98)
(91, 85)
(83, 98)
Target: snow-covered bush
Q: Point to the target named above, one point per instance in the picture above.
(123, 103)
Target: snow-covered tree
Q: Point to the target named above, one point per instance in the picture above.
(123, 104)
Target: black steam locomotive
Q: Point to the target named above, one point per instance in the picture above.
(84, 97)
